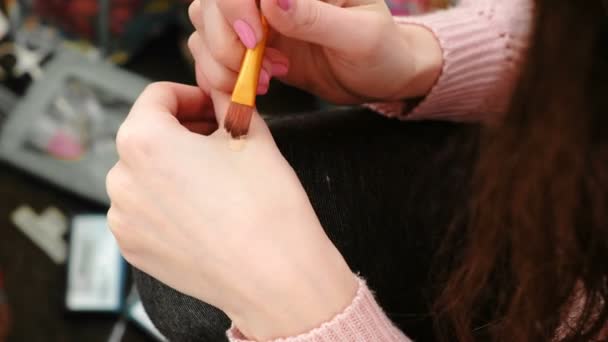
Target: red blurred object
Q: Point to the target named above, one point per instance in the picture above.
(120, 17)
(120, 30)
(5, 314)
(79, 17)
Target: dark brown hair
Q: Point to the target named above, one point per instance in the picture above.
(537, 234)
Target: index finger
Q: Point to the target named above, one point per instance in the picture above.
(183, 102)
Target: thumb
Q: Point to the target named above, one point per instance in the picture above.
(315, 21)
(221, 103)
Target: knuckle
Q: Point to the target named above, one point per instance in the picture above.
(201, 79)
(121, 139)
(133, 143)
(115, 223)
(156, 87)
(193, 11)
(225, 50)
(111, 183)
(116, 184)
(193, 43)
(290, 26)
(222, 80)
(120, 231)
(215, 83)
(310, 18)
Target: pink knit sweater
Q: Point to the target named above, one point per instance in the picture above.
(483, 44)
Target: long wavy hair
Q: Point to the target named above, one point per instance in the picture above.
(534, 260)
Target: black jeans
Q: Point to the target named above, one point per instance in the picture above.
(385, 192)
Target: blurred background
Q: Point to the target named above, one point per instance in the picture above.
(69, 72)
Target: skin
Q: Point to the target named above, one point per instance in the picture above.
(335, 57)
(210, 221)
(226, 221)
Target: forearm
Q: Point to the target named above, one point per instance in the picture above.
(313, 287)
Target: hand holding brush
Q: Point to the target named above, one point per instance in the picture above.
(347, 52)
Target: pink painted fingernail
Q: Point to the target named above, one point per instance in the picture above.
(264, 77)
(245, 33)
(279, 69)
(262, 89)
(284, 4)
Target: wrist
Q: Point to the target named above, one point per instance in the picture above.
(424, 52)
(309, 294)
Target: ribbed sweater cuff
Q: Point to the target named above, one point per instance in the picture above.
(482, 46)
(362, 321)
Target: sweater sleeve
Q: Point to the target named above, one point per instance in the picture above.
(484, 44)
(362, 321)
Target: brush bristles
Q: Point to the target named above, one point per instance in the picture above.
(238, 119)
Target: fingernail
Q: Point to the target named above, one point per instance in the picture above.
(267, 66)
(264, 77)
(245, 33)
(279, 69)
(284, 4)
(262, 89)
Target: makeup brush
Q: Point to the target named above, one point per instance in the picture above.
(238, 117)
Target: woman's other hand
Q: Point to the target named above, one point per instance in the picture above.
(346, 51)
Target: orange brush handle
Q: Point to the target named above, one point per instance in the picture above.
(246, 86)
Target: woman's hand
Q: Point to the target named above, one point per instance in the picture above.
(346, 51)
(234, 229)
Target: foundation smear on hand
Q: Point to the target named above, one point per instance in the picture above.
(237, 145)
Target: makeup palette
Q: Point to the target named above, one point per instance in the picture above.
(64, 128)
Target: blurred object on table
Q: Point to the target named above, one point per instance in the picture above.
(82, 117)
(61, 102)
(118, 27)
(5, 314)
(411, 7)
(25, 45)
(46, 230)
(96, 270)
(64, 127)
